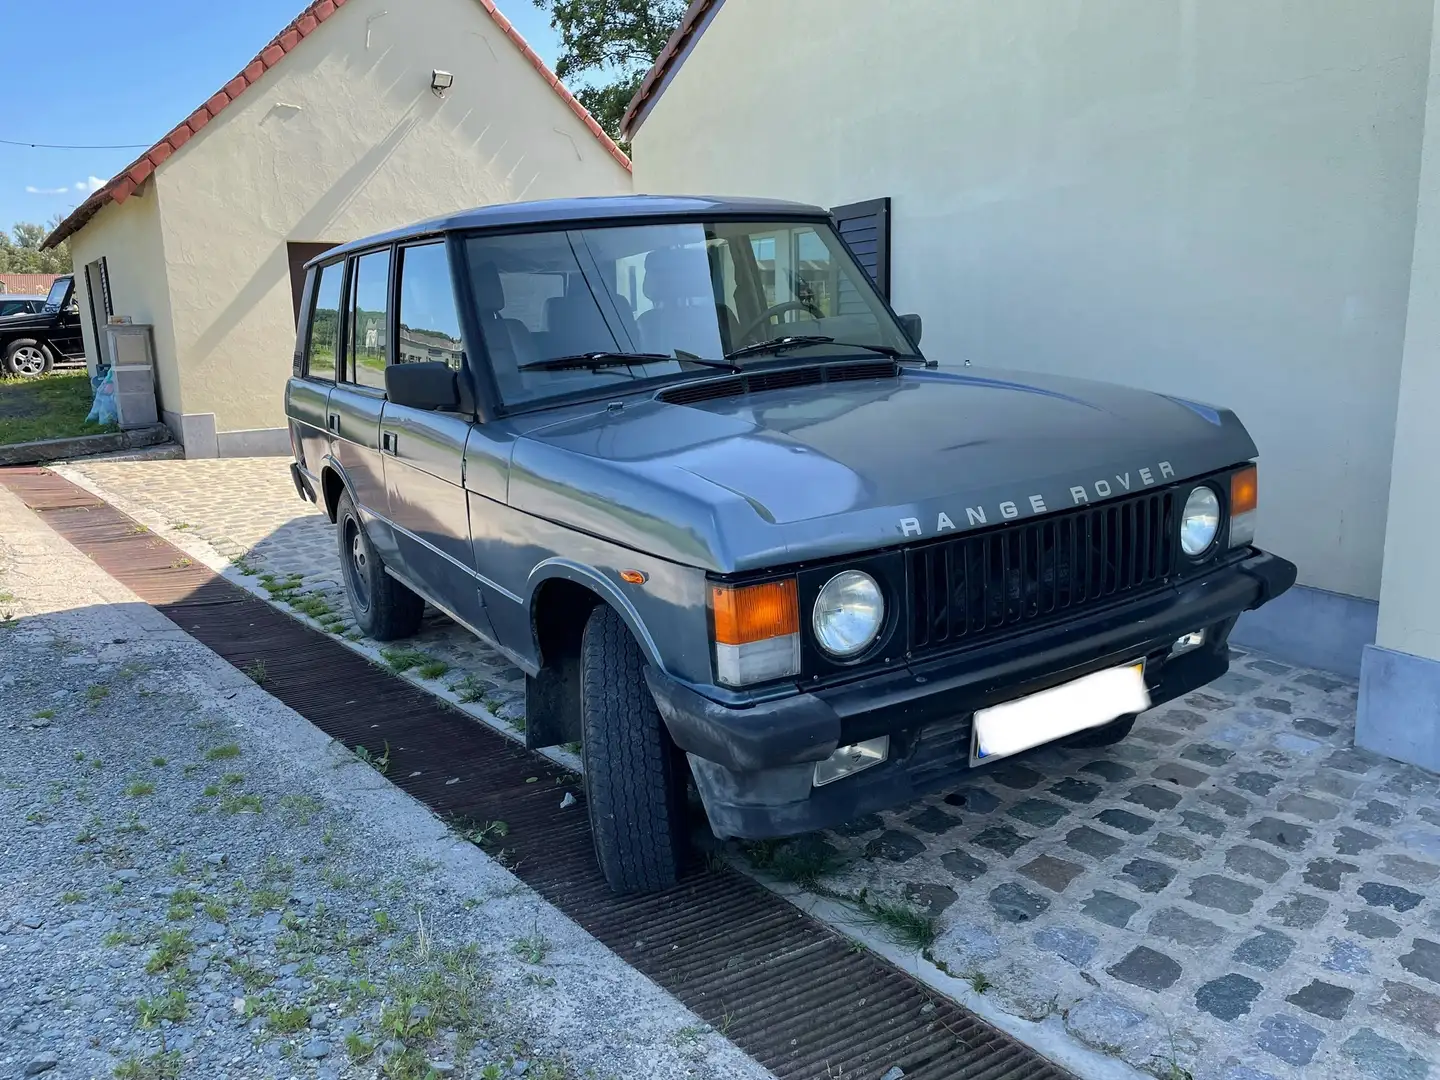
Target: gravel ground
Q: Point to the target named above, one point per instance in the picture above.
(197, 883)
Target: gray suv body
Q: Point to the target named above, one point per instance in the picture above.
(678, 460)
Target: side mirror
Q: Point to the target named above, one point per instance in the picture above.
(911, 326)
(430, 385)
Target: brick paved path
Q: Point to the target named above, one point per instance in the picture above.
(1234, 891)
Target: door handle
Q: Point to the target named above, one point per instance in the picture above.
(333, 422)
(388, 442)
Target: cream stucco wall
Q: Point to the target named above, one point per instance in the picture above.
(1214, 198)
(342, 139)
(128, 238)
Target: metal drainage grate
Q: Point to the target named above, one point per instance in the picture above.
(785, 988)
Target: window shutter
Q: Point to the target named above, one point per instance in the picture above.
(865, 228)
(105, 287)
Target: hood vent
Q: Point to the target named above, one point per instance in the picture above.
(784, 379)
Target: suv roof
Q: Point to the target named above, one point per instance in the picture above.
(592, 209)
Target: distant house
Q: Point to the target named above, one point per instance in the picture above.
(338, 128)
(27, 284)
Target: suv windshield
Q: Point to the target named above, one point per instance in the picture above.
(670, 295)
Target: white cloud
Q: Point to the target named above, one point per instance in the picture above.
(88, 185)
(31, 189)
(93, 183)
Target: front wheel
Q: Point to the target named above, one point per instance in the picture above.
(27, 358)
(634, 776)
(384, 609)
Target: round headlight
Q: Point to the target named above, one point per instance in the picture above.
(1201, 521)
(849, 613)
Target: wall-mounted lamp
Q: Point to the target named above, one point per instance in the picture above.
(440, 81)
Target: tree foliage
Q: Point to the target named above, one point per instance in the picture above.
(607, 46)
(20, 250)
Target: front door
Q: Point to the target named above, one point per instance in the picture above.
(307, 395)
(425, 451)
(66, 338)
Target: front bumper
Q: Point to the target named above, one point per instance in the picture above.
(754, 766)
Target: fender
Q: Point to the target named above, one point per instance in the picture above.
(603, 587)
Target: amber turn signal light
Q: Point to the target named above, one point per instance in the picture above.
(755, 612)
(1244, 491)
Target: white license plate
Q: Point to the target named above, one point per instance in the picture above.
(1087, 702)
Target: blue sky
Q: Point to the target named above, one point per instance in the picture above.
(95, 72)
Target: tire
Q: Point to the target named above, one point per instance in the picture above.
(384, 609)
(634, 775)
(28, 358)
(1105, 735)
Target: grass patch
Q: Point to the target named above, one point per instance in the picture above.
(140, 788)
(312, 604)
(72, 897)
(171, 1005)
(288, 1021)
(164, 1065)
(469, 690)
(400, 660)
(159, 762)
(172, 950)
(49, 714)
(96, 693)
(432, 669)
(803, 861)
(231, 803)
(51, 407)
(223, 752)
(533, 948)
(255, 672)
(379, 762)
(901, 923)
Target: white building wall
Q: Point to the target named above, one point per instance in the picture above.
(1213, 198)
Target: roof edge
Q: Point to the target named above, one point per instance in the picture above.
(693, 23)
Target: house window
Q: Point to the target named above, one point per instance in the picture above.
(369, 320)
(429, 322)
(325, 324)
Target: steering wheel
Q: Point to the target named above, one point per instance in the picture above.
(775, 310)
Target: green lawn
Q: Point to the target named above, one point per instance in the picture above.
(51, 407)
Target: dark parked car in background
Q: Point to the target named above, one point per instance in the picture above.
(30, 344)
(11, 304)
(679, 461)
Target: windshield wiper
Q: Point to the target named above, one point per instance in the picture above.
(605, 359)
(779, 344)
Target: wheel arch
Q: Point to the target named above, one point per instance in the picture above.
(333, 483)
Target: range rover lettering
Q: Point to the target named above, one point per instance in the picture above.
(678, 460)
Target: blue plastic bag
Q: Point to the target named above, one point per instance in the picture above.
(103, 410)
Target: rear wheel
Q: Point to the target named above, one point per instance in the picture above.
(1105, 735)
(634, 776)
(384, 609)
(27, 358)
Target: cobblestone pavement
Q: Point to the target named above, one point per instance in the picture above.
(1235, 892)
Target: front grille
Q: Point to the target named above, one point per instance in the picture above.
(973, 588)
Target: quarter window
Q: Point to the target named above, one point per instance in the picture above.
(370, 320)
(325, 324)
(429, 322)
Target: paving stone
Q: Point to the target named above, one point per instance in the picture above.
(1267, 950)
(1270, 704)
(932, 820)
(1426, 813)
(1326, 873)
(1076, 791)
(1277, 760)
(1309, 808)
(1423, 959)
(1281, 833)
(1133, 824)
(1183, 718)
(894, 845)
(1329, 782)
(1258, 721)
(1177, 847)
(1323, 999)
(1212, 756)
(1153, 798)
(1371, 925)
(964, 866)
(1038, 812)
(1147, 875)
(1229, 803)
(1410, 781)
(1378, 894)
(1300, 911)
(1384, 1059)
(1159, 735)
(1411, 1006)
(861, 825)
(1068, 943)
(1292, 1041)
(1200, 823)
(1233, 682)
(1232, 735)
(1185, 929)
(1055, 874)
(1319, 681)
(1409, 870)
(1350, 841)
(1347, 956)
(1110, 770)
(1228, 997)
(976, 799)
(1422, 840)
(1269, 667)
(1002, 838)
(1245, 1072)
(1352, 761)
(1104, 1021)
(1013, 776)
(1223, 893)
(933, 899)
(1014, 903)
(1257, 783)
(1147, 968)
(1302, 745)
(1255, 862)
(1206, 702)
(1176, 773)
(1109, 909)
(1093, 842)
(1310, 725)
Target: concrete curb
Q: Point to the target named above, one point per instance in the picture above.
(29, 453)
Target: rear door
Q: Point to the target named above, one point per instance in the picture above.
(359, 395)
(317, 344)
(425, 450)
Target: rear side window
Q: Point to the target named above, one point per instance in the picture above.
(325, 324)
(429, 322)
(369, 320)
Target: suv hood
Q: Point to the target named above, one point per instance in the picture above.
(783, 476)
